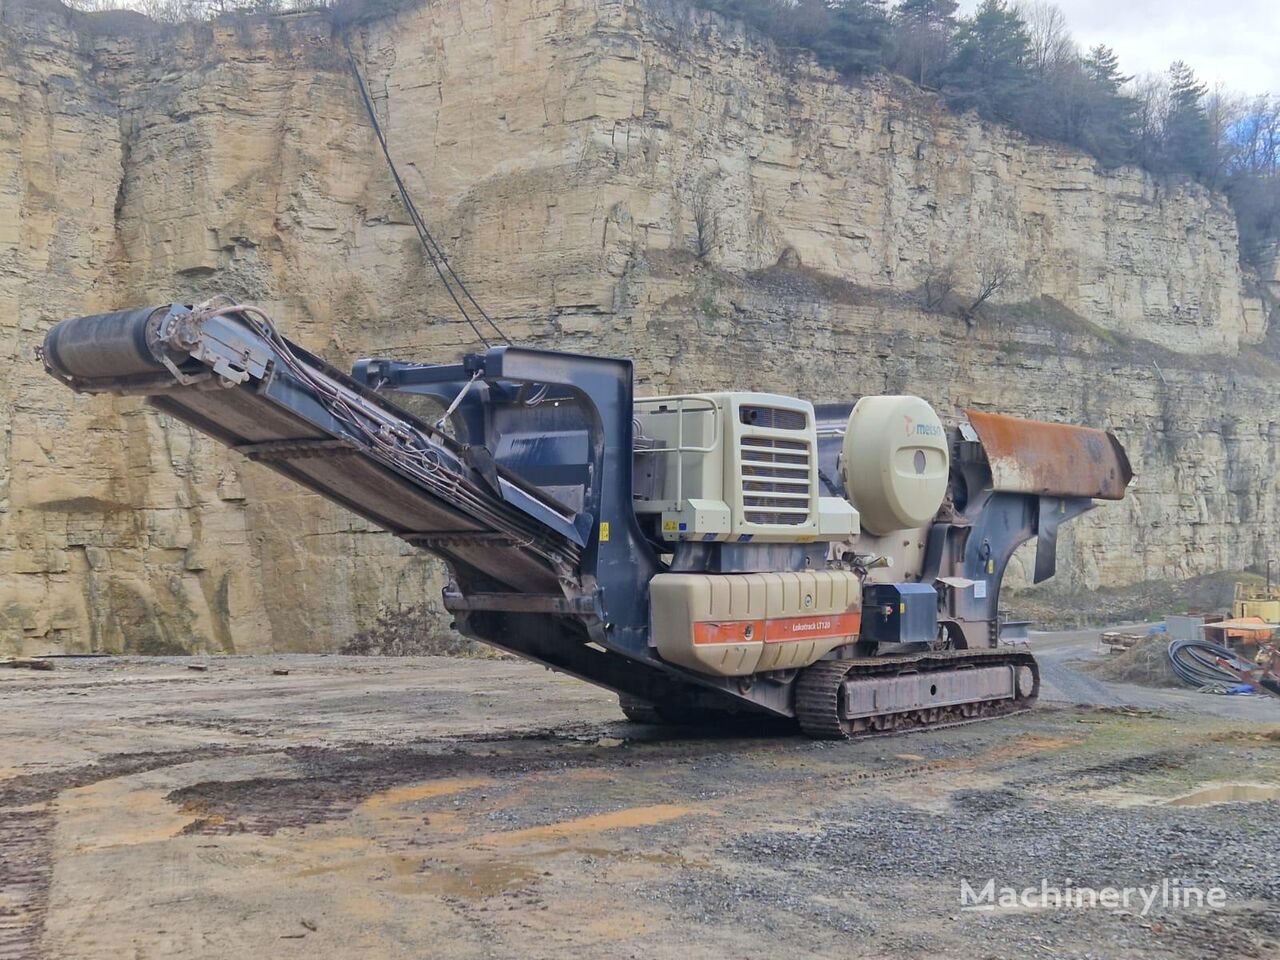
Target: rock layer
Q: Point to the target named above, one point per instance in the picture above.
(622, 176)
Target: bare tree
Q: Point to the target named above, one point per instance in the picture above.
(1257, 138)
(994, 273)
(1226, 113)
(176, 11)
(1249, 163)
(1151, 92)
(1051, 45)
(94, 6)
(187, 11)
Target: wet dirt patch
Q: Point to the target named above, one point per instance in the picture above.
(26, 825)
(1001, 798)
(409, 794)
(626, 819)
(1125, 769)
(496, 833)
(1020, 747)
(1227, 793)
(479, 881)
(1250, 737)
(674, 860)
(40, 787)
(334, 783)
(25, 866)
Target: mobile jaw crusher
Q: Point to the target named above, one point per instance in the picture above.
(705, 556)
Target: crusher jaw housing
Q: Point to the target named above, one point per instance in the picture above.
(706, 556)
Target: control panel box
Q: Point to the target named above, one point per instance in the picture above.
(899, 613)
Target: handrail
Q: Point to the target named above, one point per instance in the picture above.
(680, 400)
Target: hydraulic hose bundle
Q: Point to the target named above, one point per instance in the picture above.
(1196, 663)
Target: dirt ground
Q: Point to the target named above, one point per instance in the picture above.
(1146, 662)
(451, 808)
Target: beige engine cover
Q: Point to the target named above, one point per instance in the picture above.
(894, 462)
(732, 625)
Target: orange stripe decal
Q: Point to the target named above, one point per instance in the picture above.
(821, 626)
(729, 631)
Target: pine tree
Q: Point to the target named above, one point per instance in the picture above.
(850, 36)
(1108, 125)
(934, 13)
(990, 72)
(857, 38)
(1188, 138)
(922, 32)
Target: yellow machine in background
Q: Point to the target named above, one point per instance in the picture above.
(1252, 601)
(1255, 610)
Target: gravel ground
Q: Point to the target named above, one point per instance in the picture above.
(405, 808)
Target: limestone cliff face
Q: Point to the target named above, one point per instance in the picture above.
(610, 175)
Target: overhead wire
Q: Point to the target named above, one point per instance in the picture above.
(435, 253)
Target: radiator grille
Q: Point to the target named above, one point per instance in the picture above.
(775, 478)
(775, 418)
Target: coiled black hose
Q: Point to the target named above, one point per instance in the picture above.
(1196, 663)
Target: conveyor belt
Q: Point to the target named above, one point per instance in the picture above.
(224, 370)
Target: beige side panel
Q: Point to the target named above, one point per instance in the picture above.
(894, 462)
(829, 601)
(738, 624)
(731, 606)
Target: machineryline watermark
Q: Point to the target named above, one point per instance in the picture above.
(1168, 894)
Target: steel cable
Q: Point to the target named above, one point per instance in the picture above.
(435, 253)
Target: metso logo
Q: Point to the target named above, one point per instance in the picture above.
(914, 429)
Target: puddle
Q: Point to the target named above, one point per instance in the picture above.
(1227, 793)
(479, 881)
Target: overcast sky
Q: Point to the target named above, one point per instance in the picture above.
(1232, 42)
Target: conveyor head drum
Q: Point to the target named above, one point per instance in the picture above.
(111, 345)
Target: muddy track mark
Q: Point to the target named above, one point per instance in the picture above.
(26, 838)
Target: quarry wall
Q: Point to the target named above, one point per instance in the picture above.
(623, 176)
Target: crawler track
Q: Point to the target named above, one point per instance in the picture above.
(818, 693)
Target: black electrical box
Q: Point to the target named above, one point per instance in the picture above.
(899, 613)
